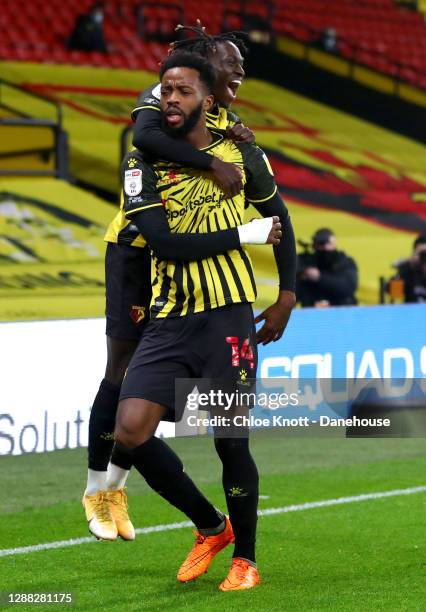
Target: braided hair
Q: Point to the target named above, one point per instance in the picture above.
(204, 44)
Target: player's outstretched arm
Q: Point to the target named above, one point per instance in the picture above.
(143, 206)
(277, 315)
(284, 252)
(261, 191)
(153, 225)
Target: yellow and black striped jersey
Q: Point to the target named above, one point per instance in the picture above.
(194, 203)
(120, 229)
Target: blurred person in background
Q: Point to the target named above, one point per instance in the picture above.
(88, 33)
(412, 271)
(325, 276)
(327, 41)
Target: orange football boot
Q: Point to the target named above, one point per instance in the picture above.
(241, 576)
(203, 552)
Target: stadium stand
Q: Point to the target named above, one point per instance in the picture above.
(51, 250)
(374, 33)
(32, 139)
(320, 157)
(333, 169)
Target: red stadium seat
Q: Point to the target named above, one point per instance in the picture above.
(382, 34)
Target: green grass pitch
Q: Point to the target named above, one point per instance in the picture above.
(367, 555)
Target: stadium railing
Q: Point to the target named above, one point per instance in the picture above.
(40, 145)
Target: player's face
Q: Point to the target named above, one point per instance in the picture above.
(228, 64)
(183, 99)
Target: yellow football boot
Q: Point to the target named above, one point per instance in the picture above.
(99, 517)
(117, 501)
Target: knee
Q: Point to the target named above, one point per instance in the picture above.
(131, 427)
(126, 436)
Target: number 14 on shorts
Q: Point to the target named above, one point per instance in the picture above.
(245, 352)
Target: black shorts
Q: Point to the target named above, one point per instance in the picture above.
(216, 344)
(128, 290)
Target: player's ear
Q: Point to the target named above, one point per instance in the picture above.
(208, 102)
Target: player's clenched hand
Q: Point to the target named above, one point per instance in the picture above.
(240, 133)
(260, 231)
(276, 318)
(228, 176)
(275, 234)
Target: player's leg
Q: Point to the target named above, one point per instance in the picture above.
(137, 421)
(127, 296)
(240, 481)
(102, 416)
(134, 315)
(101, 439)
(163, 355)
(233, 359)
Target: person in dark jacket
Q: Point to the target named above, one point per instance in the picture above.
(326, 276)
(412, 271)
(88, 34)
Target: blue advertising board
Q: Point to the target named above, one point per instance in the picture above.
(332, 358)
(350, 342)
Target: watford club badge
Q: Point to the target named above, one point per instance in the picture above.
(137, 313)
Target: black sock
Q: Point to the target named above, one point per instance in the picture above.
(121, 458)
(163, 471)
(101, 426)
(241, 485)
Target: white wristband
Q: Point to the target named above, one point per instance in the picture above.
(255, 232)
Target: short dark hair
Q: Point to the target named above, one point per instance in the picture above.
(194, 61)
(421, 239)
(322, 235)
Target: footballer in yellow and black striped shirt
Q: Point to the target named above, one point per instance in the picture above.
(194, 203)
(127, 260)
(120, 230)
(202, 323)
(188, 202)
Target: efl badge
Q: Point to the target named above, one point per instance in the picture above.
(137, 313)
(156, 92)
(133, 182)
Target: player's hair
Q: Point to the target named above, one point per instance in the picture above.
(191, 60)
(204, 44)
(421, 239)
